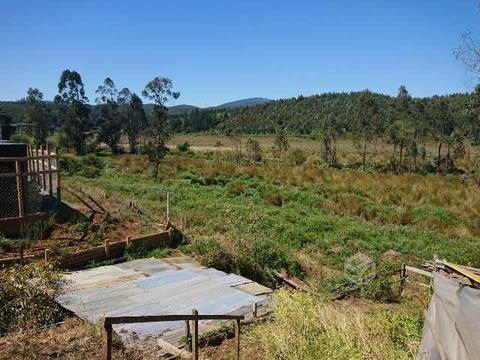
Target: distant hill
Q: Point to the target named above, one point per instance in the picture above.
(243, 102)
(180, 109)
(15, 108)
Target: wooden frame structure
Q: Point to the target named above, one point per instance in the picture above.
(40, 165)
(194, 318)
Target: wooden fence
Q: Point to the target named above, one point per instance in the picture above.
(107, 251)
(194, 318)
(19, 174)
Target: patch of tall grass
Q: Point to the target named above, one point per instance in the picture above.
(304, 327)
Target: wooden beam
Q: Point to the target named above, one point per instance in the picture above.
(237, 338)
(158, 318)
(181, 353)
(418, 271)
(107, 340)
(29, 173)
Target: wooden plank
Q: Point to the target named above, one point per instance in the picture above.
(291, 280)
(465, 272)
(29, 173)
(171, 349)
(158, 318)
(25, 158)
(418, 271)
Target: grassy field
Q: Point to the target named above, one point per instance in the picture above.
(251, 217)
(265, 215)
(377, 152)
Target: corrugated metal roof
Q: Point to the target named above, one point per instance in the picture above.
(158, 287)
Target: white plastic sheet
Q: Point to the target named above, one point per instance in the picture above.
(452, 322)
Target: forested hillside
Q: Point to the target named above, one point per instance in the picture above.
(309, 115)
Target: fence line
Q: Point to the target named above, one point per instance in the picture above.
(195, 318)
(107, 251)
(26, 179)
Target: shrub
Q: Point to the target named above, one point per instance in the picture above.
(254, 150)
(380, 288)
(90, 166)
(27, 296)
(297, 157)
(185, 147)
(37, 230)
(219, 259)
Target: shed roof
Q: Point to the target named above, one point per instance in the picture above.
(159, 287)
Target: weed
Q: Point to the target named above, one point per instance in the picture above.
(27, 296)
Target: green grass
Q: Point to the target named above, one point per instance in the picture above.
(235, 217)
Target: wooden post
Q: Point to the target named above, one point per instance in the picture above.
(403, 273)
(57, 165)
(255, 309)
(107, 248)
(128, 240)
(195, 337)
(237, 338)
(49, 166)
(35, 164)
(188, 336)
(44, 185)
(29, 160)
(47, 255)
(107, 341)
(168, 209)
(21, 205)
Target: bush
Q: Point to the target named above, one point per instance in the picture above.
(90, 166)
(185, 147)
(27, 296)
(380, 288)
(297, 157)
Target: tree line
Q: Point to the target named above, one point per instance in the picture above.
(118, 112)
(405, 122)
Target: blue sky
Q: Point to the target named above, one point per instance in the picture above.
(222, 50)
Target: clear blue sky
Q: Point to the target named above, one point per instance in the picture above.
(222, 50)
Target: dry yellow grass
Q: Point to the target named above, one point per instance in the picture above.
(304, 327)
(446, 204)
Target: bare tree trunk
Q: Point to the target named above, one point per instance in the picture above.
(364, 154)
(439, 154)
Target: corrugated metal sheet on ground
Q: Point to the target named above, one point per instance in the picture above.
(159, 287)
